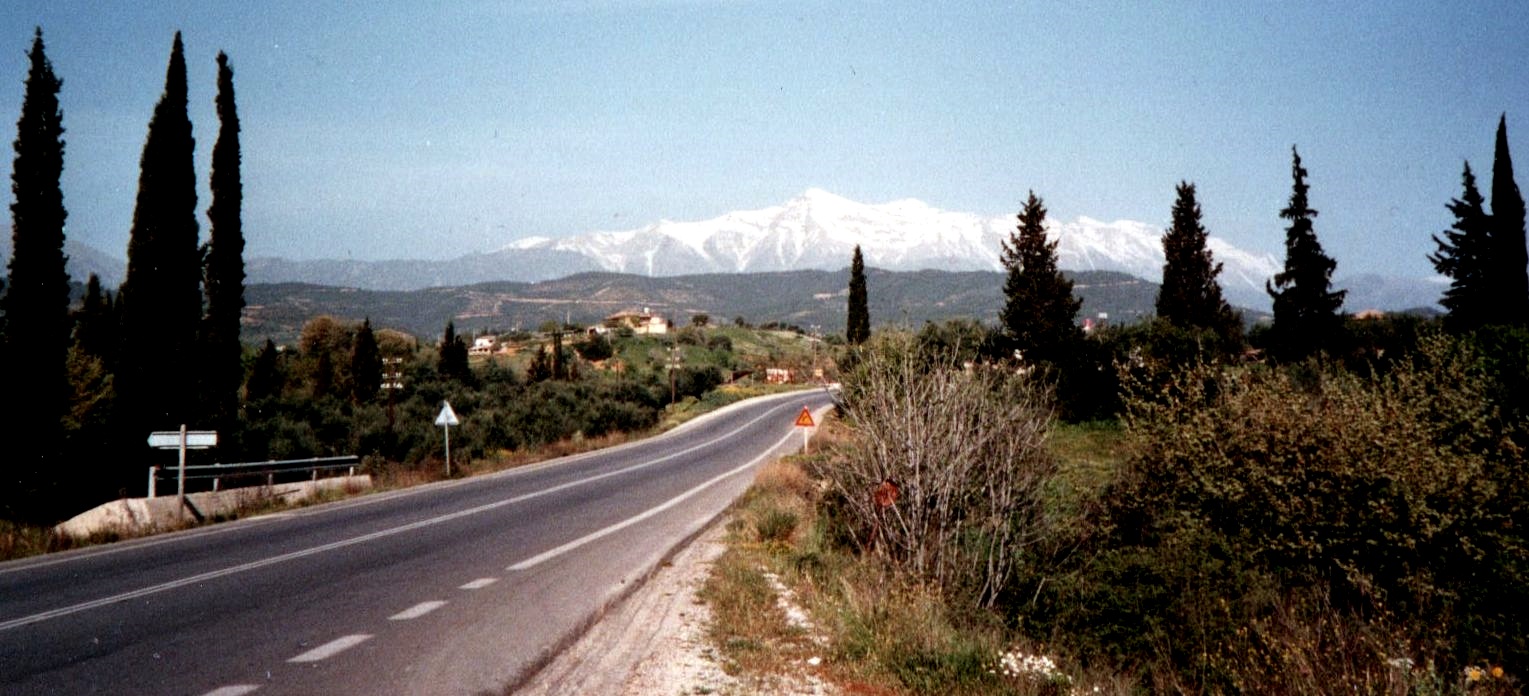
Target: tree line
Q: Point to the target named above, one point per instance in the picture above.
(1483, 254)
(161, 351)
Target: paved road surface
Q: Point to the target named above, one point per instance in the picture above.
(459, 587)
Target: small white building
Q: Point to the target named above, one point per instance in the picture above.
(482, 346)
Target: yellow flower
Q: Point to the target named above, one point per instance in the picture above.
(1474, 673)
(1497, 672)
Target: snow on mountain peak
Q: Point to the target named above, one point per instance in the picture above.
(819, 230)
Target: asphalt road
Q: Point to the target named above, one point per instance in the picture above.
(460, 587)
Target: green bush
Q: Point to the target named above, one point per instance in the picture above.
(1392, 497)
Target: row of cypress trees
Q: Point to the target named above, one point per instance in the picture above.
(1484, 255)
(168, 341)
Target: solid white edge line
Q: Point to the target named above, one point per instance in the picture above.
(252, 565)
(233, 690)
(417, 610)
(479, 584)
(332, 648)
(550, 554)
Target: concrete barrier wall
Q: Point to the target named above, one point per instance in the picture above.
(138, 516)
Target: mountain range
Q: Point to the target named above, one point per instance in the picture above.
(816, 230)
(819, 231)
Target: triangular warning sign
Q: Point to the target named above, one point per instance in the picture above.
(804, 419)
(447, 417)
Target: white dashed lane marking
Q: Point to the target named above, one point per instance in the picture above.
(417, 611)
(479, 584)
(233, 690)
(332, 648)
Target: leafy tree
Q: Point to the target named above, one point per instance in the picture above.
(1465, 257)
(453, 357)
(1508, 244)
(1039, 311)
(596, 347)
(701, 319)
(161, 298)
(223, 271)
(858, 327)
(265, 375)
(1190, 296)
(1306, 307)
(365, 365)
(37, 304)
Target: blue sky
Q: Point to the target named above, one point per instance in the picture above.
(393, 129)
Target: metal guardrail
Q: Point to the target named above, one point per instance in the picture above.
(270, 469)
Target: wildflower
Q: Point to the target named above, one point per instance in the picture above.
(1474, 673)
(1497, 672)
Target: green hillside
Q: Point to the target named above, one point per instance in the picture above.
(800, 298)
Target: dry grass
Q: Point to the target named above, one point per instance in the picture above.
(874, 633)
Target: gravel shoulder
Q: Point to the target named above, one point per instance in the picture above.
(653, 642)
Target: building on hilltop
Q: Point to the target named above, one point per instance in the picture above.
(644, 322)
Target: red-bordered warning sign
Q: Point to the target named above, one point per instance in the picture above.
(804, 419)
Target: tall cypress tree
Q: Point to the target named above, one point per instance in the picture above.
(1039, 313)
(1508, 234)
(1190, 296)
(223, 270)
(1465, 256)
(858, 324)
(365, 365)
(161, 297)
(1306, 307)
(452, 362)
(37, 304)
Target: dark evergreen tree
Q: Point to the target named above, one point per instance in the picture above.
(223, 270)
(559, 362)
(37, 303)
(365, 365)
(1508, 235)
(94, 322)
(1306, 318)
(1464, 255)
(324, 377)
(161, 297)
(540, 369)
(453, 358)
(1190, 296)
(265, 375)
(1039, 315)
(858, 326)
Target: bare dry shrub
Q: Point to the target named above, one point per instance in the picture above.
(965, 451)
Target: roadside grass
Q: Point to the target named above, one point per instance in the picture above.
(873, 633)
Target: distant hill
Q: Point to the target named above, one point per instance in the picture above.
(802, 298)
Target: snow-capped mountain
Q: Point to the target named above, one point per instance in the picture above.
(819, 230)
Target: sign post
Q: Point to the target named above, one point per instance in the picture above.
(447, 419)
(181, 440)
(804, 421)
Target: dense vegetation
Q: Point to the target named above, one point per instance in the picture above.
(1336, 508)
